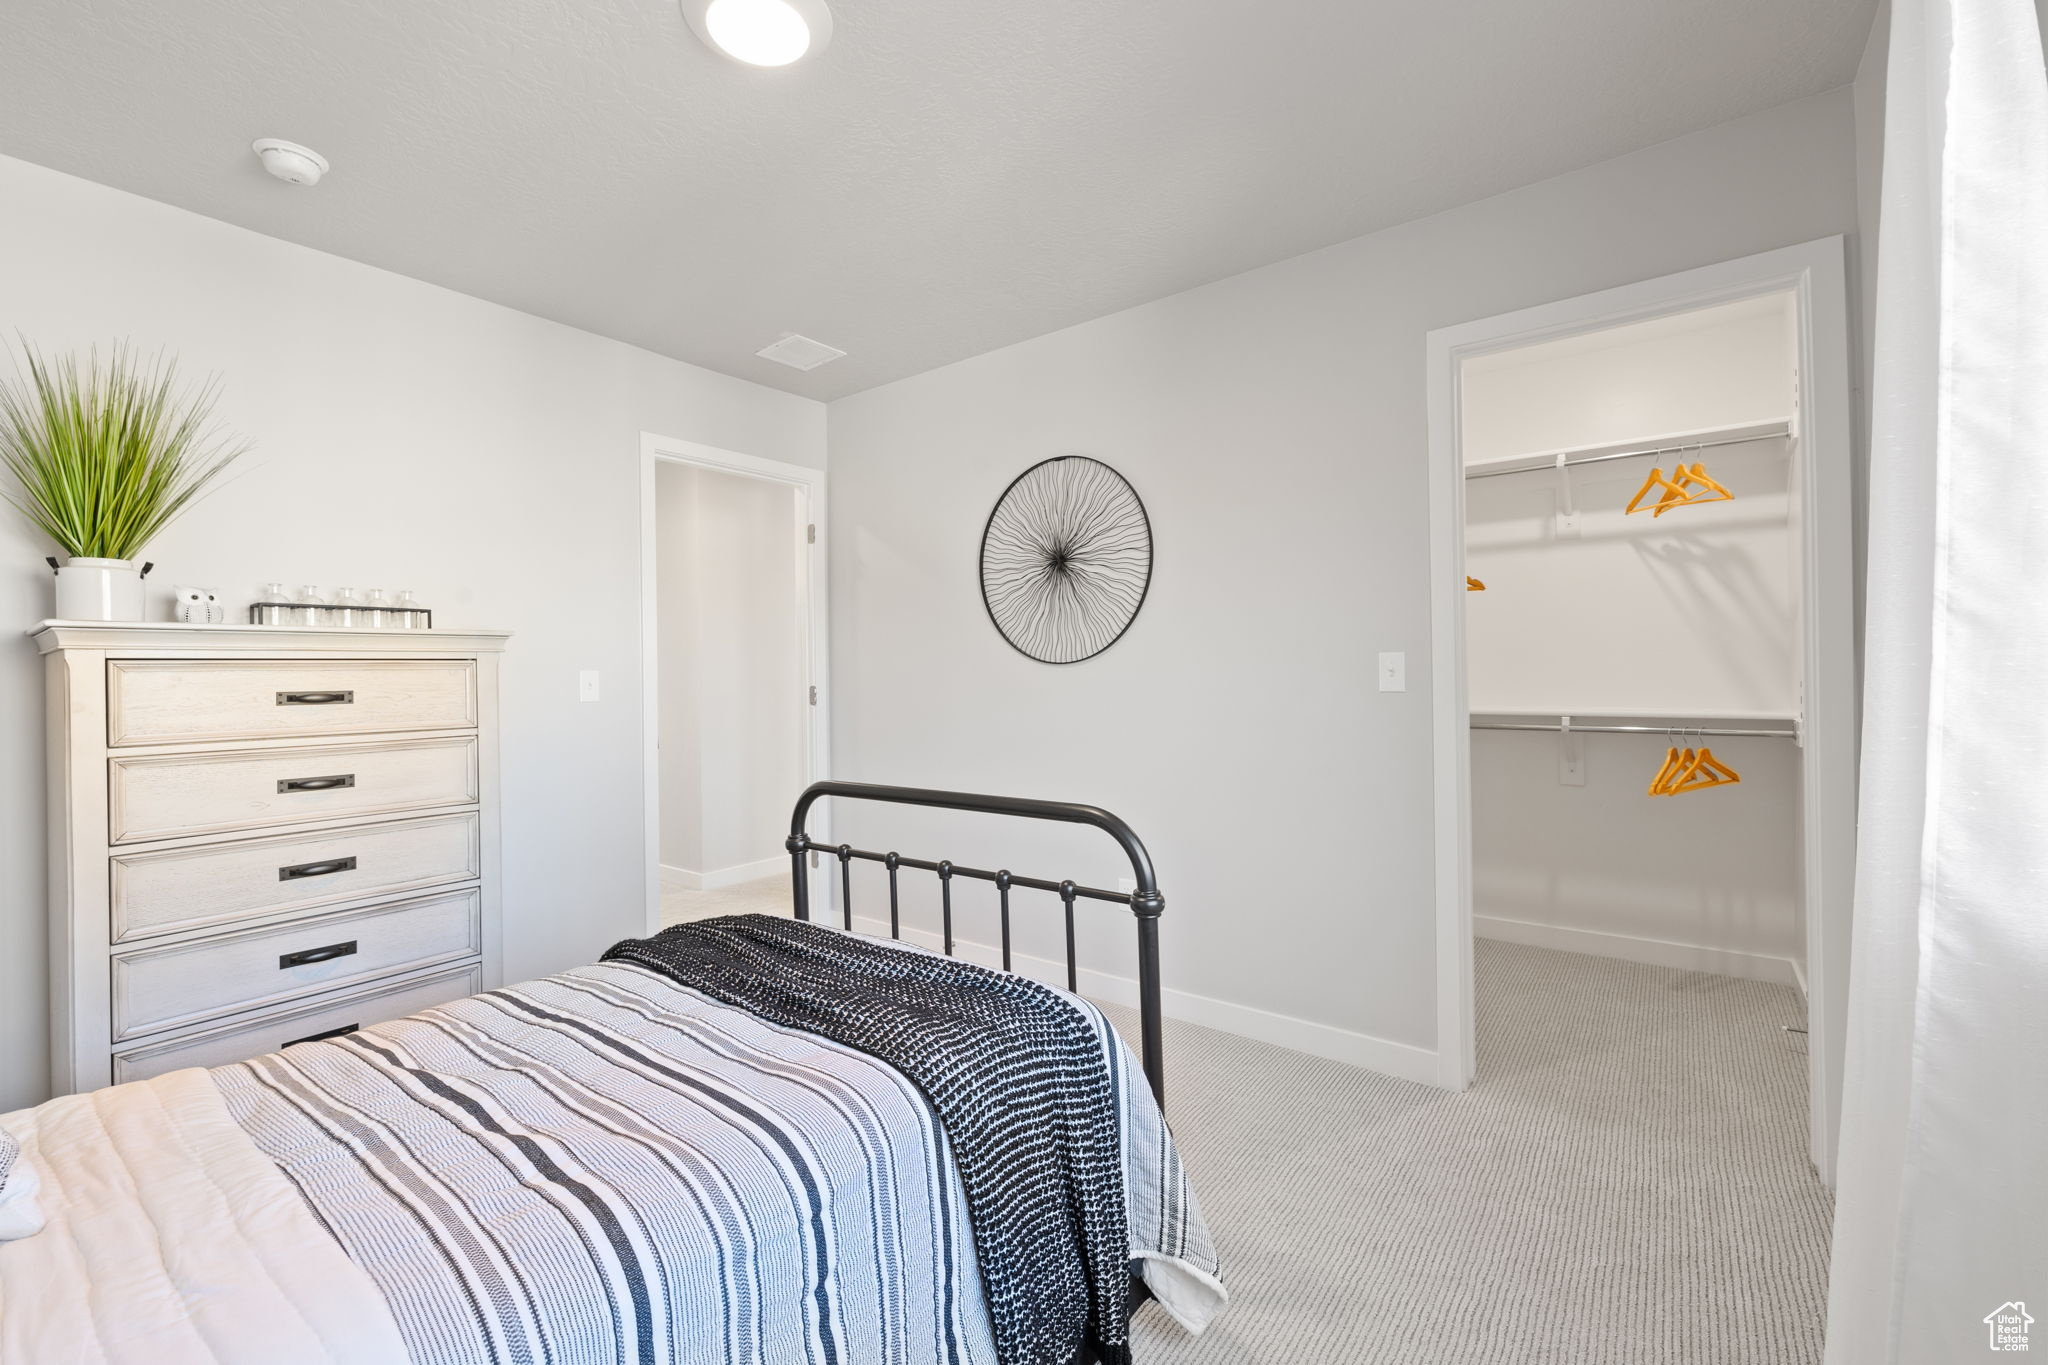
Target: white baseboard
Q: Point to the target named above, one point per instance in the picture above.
(1655, 952)
(1404, 1060)
(682, 879)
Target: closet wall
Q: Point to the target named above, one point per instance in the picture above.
(732, 732)
(1692, 615)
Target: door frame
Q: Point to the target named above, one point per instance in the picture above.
(813, 616)
(1816, 274)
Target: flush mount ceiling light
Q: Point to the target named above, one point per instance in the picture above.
(290, 162)
(761, 32)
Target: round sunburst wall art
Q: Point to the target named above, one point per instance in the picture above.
(1066, 558)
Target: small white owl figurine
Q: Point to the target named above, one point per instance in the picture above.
(199, 606)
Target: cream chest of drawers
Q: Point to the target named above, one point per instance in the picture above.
(261, 835)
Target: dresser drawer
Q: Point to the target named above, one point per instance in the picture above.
(164, 797)
(163, 701)
(163, 988)
(281, 1028)
(190, 888)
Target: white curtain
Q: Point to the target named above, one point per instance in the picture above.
(1943, 1172)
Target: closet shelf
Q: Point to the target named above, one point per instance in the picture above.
(1632, 714)
(1670, 443)
(1709, 725)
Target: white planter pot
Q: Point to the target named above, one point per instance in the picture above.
(99, 590)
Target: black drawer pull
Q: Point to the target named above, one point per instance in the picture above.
(326, 869)
(320, 1037)
(316, 784)
(316, 698)
(306, 957)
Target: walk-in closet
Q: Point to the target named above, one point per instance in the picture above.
(1633, 617)
(1632, 605)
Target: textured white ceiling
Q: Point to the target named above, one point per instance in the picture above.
(948, 177)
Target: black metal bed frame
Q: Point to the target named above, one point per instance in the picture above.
(1146, 903)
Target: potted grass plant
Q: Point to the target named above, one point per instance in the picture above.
(102, 458)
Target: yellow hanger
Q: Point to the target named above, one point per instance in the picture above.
(1698, 475)
(1707, 771)
(1685, 764)
(1473, 585)
(1691, 486)
(1680, 780)
(1656, 480)
(1694, 770)
(1672, 762)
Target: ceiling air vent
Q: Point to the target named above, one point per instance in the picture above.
(799, 353)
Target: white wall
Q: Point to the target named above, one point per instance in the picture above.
(407, 436)
(676, 624)
(1691, 614)
(1275, 425)
(732, 715)
(1707, 881)
(1719, 366)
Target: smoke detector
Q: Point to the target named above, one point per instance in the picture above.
(289, 162)
(799, 352)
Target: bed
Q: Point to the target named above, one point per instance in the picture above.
(752, 1139)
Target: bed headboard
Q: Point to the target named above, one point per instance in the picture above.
(1146, 903)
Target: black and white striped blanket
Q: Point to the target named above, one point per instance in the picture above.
(1019, 1080)
(605, 1167)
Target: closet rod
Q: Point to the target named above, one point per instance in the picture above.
(1679, 449)
(1676, 731)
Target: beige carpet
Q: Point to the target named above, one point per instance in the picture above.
(767, 896)
(1626, 1184)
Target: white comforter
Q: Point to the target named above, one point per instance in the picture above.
(438, 1150)
(169, 1239)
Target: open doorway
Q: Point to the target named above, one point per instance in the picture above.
(1585, 649)
(734, 639)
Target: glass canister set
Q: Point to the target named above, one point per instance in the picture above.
(372, 611)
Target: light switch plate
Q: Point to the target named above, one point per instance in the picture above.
(1393, 671)
(586, 685)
